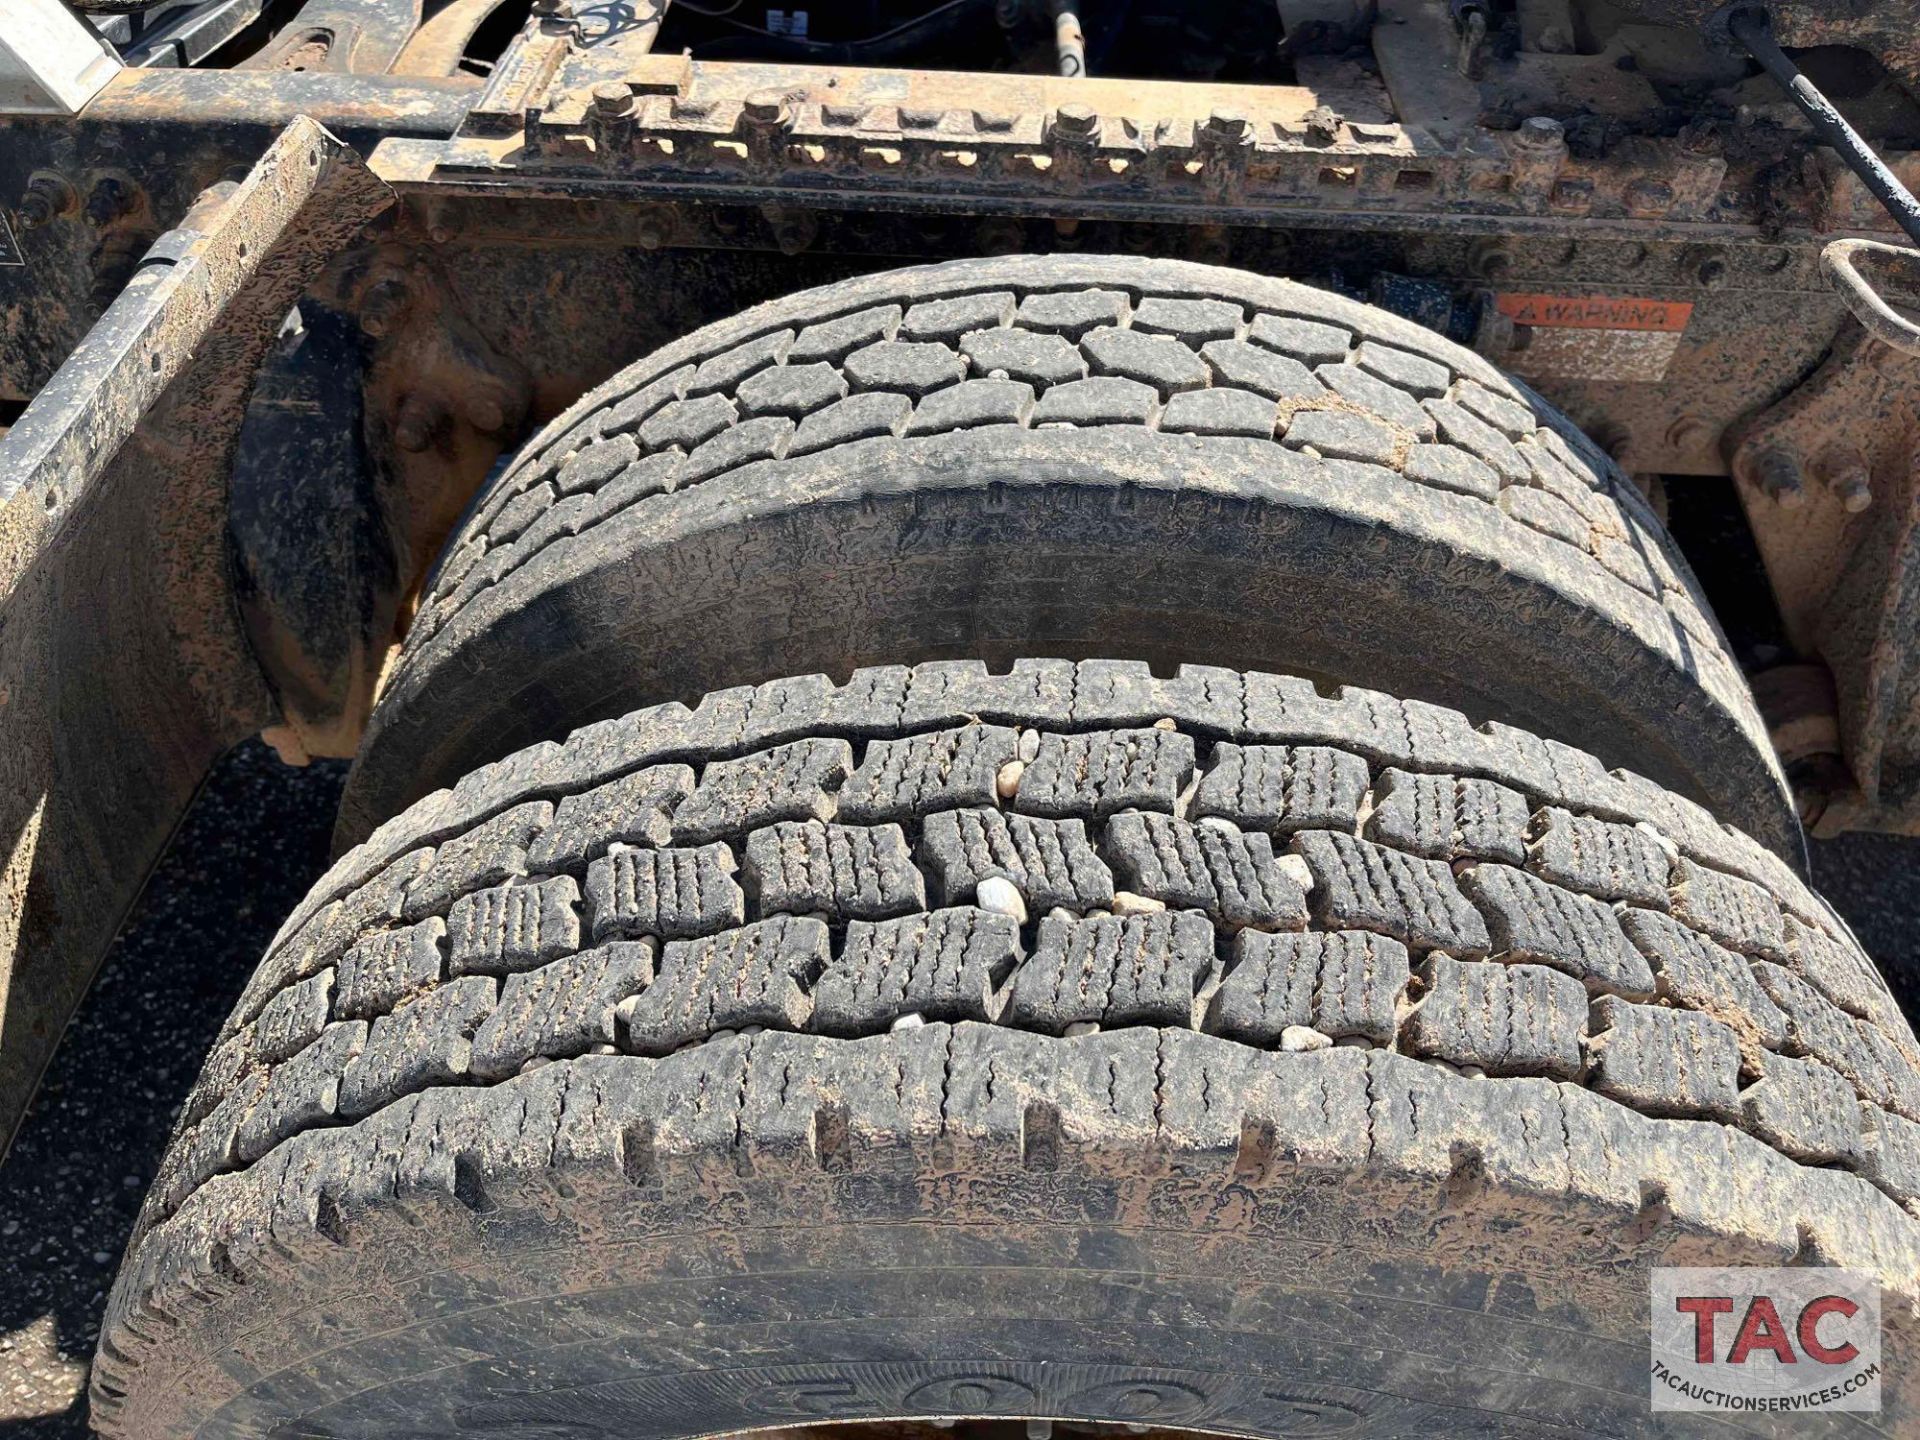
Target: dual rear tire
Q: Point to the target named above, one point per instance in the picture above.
(971, 1037)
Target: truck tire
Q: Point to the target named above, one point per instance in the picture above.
(1068, 456)
(1349, 1069)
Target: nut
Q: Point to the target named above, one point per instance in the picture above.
(1647, 199)
(1540, 132)
(1229, 126)
(1780, 477)
(612, 99)
(1078, 122)
(765, 107)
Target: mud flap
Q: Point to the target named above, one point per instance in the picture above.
(123, 667)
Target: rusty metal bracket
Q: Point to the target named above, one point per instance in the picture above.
(124, 671)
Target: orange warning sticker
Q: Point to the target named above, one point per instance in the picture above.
(1595, 312)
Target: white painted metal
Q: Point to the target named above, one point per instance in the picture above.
(51, 63)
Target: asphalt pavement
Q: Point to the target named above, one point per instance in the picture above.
(254, 841)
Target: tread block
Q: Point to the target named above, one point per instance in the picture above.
(685, 424)
(1362, 886)
(725, 371)
(814, 1105)
(947, 320)
(1890, 1153)
(1541, 924)
(425, 1042)
(1156, 360)
(1008, 1092)
(973, 403)
(1694, 973)
(1039, 360)
(515, 926)
(1506, 1019)
(915, 776)
(762, 439)
(654, 475)
(905, 367)
(1446, 467)
(1102, 400)
(1895, 1085)
(518, 513)
(301, 1093)
(794, 391)
(1736, 912)
(799, 867)
(1416, 375)
(858, 417)
(1343, 984)
(230, 1059)
(1598, 858)
(1443, 817)
(626, 414)
(1344, 435)
(788, 782)
(385, 967)
(1228, 873)
(1125, 692)
(1307, 341)
(1220, 411)
(562, 1009)
(947, 965)
(208, 1148)
(1510, 417)
(1835, 970)
(1282, 788)
(758, 974)
(1050, 862)
(1664, 1062)
(1072, 313)
(1096, 774)
(1804, 1110)
(1548, 514)
(636, 809)
(1818, 1029)
(293, 1019)
(1191, 321)
(1113, 970)
(1460, 427)
(1371, 393)
(488, 854)
(332, 929)
(834, 340)
(1248, 367)
(668, 894)
(592, 467)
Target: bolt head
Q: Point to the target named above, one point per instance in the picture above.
(765, 107)
(1228, 125)
(1648, 197)
(612, 97)
(486, 414)
(413, 433)
(1541, 132)
(1076, 120)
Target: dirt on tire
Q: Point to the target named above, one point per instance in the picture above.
(1073, 456)
(1208, 1050)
